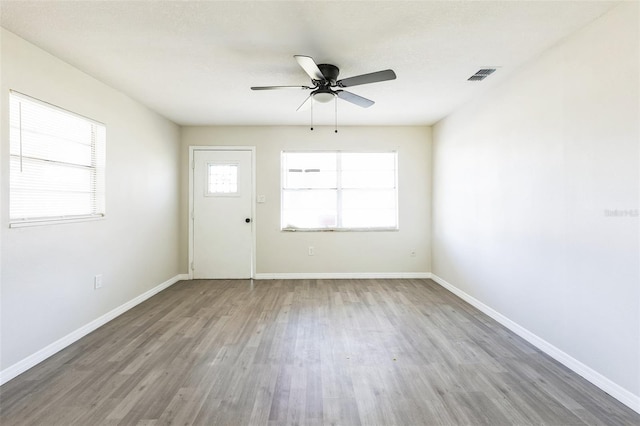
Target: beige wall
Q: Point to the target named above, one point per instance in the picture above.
(335, 252)
(523, 178)
(47, 271)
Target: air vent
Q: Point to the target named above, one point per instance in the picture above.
(481, 74)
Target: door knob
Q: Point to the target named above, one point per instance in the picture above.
(247, 220)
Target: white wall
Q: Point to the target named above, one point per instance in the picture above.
(47, 271)
(522, 180)
(335, 252)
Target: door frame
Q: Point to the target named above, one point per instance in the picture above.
(192, 150)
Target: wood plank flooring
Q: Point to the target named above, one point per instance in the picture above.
(304, 352)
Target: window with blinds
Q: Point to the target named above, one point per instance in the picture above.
(334, 190)
(57, 164)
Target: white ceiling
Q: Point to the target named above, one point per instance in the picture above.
(194, 62)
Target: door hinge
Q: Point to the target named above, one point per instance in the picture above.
(193, 165)
(192, 216)
(192, 268)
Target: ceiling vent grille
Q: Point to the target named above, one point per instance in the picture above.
(481, 74)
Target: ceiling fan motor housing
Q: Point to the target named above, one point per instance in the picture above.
(330, 73)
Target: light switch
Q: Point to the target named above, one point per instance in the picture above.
(262, 198)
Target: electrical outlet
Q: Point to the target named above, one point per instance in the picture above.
(312, 251)
(97, 282)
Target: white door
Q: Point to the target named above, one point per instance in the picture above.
(222, 207)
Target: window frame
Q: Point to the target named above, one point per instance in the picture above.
(339, 189)
(97, 167)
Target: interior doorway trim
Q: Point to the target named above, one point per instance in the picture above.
(252, 149)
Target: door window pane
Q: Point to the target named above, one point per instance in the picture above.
(222, 179)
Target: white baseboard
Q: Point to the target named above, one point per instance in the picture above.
(618, 392)
(44, 353)
(341, 275)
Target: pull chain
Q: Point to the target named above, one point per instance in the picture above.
(311, 100)
(20, 126)
(336, 104)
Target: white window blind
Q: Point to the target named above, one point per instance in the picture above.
(339, 191)
(57, 161)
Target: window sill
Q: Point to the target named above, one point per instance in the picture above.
(340, 230)
(54, 221)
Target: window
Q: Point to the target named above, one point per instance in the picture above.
(222, 179)
(339, 191)
(56, 164)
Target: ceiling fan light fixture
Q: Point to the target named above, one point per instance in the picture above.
(323, 96)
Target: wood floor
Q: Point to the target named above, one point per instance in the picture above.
(305, 352)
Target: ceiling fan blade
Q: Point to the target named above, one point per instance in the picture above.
(373, 77)
(310, 67)
(279, 87)
(354, 99)
(306, 104)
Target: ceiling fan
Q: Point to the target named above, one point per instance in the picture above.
(326, 86)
